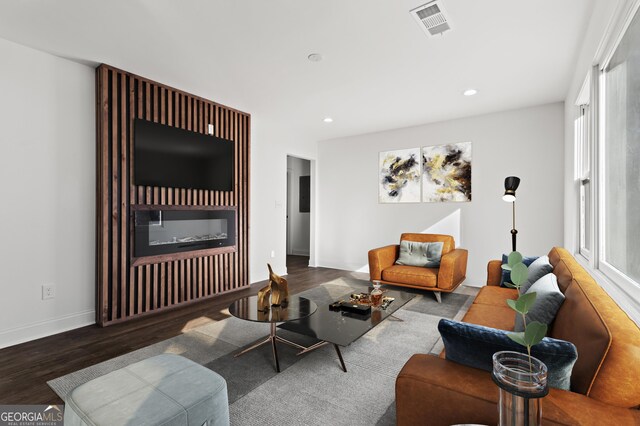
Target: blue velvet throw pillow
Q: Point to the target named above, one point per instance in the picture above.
(506, 275)
(474, 346)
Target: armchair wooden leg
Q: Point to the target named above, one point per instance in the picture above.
(438, 296)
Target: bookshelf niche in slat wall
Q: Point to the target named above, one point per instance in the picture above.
(126, 287)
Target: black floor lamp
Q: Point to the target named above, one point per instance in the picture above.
(510, 185)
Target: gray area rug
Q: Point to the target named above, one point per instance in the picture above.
(311, 389)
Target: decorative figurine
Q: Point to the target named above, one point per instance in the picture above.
(264, 298)
(279, 288)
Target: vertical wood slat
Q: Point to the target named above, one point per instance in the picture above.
(132, 189)
(147, 288)
(125, 291)
(169, 284)
(114, 200)
(182, 281)
(139, 288)
(123, 208)
(176, 280)
(103, 203)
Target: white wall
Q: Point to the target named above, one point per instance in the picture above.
(270, 144)
(299, 222)
(527, 143)
(47, 188)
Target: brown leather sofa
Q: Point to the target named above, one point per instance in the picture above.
(605, 382)
(452, 271)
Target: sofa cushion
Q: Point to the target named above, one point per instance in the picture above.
(495, 296)
(474, 345)
(447, 240)
(548, 301)
(448, 393)
(538, 269)
(506, 275)
(579, 322)
(564, 274)
(425, 277)
(604, 334)
(426, 255)
(557, 253)
(501, 317)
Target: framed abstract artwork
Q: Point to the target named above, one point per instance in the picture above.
(399, 176)
(446, 173)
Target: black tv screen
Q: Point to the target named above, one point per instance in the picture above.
(171, 157)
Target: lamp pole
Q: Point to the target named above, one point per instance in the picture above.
(514, 231)
(511, 183)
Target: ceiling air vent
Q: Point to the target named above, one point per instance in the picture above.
(431, 18)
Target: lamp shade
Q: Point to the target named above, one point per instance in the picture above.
(511, 183)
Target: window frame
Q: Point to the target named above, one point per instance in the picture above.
(584, 143)
(626, 283)
(622, 288)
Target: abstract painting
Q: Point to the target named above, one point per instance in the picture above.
(400, 176)
(446, 172)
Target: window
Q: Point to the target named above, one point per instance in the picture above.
(583, 146)
(619, 152)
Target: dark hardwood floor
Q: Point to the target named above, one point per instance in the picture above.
(25, 368)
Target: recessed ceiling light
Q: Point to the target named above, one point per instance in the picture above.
(470, 92)
(328, 120)
(315, 57)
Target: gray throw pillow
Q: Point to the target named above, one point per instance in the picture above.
(549, 298)
(426, 255)
(538, 269)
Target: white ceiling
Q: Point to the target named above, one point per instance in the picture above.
(380, 70)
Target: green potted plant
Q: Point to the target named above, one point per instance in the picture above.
(522, 379)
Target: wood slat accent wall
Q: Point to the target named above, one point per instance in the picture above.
(125, 291)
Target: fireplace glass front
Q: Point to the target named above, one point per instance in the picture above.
(172, 231)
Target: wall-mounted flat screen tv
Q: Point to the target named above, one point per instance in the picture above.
(171, 157)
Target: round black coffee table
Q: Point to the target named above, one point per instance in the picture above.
(247, 309)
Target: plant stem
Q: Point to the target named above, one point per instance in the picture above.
(524, 321)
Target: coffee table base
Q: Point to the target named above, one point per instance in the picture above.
(273, 338)
(321, 344)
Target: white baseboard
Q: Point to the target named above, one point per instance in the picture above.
(37, 330)
(345, 266)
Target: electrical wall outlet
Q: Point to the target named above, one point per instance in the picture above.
(48, 291)
(273, 254)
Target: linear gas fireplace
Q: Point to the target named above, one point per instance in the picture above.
(160, 231)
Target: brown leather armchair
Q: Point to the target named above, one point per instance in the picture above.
(446, 278)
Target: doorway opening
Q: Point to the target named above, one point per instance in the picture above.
(298, 213)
